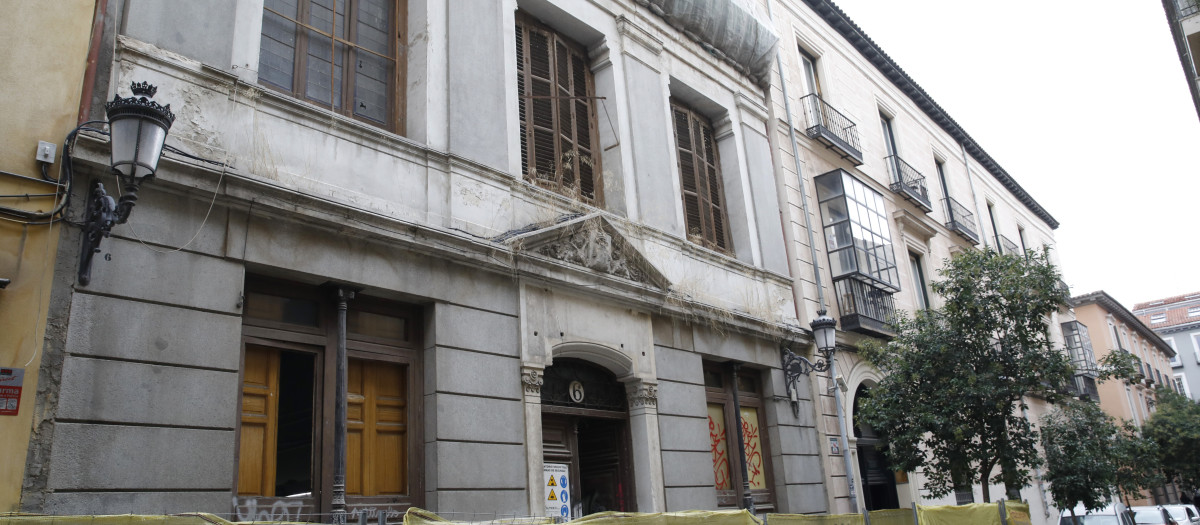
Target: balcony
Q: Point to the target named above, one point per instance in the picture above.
(1084, 387)
(1007, 247)
(908, 182)
(864, 308)
(961, 221)
(831, 128)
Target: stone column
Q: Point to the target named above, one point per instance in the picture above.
(531, 381)
(647, 449)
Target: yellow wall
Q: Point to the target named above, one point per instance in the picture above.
(43, 57)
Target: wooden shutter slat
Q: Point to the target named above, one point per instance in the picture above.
(700, 178)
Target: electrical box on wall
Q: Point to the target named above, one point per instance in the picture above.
(45, 151)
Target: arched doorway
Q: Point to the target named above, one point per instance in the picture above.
(585, 426)
(878, 477)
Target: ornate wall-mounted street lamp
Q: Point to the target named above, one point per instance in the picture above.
(138, 128)
(824, 329)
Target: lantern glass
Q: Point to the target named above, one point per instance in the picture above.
(824, 332)
(136, 146)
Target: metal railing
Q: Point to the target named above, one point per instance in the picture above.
(908, 182)
(855, 297)
(960, 220)
(1008, 247)
(1083, 385)
(831, 127)
(1187, 8)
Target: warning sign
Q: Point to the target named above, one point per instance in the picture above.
(558, 494)
(10, 390)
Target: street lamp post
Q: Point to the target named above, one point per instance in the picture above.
(824, 330)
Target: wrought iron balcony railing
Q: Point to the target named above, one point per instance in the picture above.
(1007, 247)
(908, 182)
(960, 220)
(1084, 387)
(865, 308)
(831, 128)
(1187, 8)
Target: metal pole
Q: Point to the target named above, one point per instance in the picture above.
(841, 416)
(342, 295)
(916, 517)
(747, 498)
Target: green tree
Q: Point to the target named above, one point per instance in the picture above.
(1175, 427)
(1089, 456)
(955, 378)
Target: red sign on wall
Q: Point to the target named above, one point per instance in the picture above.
(10, 390)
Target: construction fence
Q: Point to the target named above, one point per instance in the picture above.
(1001, 513)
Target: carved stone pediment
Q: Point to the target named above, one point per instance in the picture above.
(593, 242)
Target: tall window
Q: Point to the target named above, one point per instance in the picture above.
(700, 177)
(285, 449)
(340, 54)
(995, 231)
(558, 113)
(808, 63)
(1021, 236)
(918, 276)
(724, 423)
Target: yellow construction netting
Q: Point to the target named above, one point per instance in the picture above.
(415, 516)
(118, 519)
(973, 514)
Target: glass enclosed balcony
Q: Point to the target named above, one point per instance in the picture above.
(862, 261)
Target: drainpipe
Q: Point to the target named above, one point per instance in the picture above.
(812, 247)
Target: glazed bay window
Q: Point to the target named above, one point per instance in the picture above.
(735, 405)
(285, 433)
(338, 54)
(557, 107)
(1083, 360)
(700, 179)
(862, 261)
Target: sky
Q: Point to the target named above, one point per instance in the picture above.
(1086, 105)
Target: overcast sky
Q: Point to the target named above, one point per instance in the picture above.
(1086, 105)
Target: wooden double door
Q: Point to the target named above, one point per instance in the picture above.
(596, 450)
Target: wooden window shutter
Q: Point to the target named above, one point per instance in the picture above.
(700, 179)
(260, 424)
(557, 113)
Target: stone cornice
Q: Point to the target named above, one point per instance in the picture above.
(1113, 307)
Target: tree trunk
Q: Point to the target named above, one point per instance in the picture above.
(983, 481)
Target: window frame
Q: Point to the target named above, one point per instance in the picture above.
(713, 231)
(917, 267)
(764, 499)
(526, 24)
(396, 88)
(321, 342)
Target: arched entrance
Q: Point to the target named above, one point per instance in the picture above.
(878, 477)
(585, 426)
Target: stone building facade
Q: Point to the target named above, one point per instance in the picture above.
(1177, 320)
(577, 236)
(552, 228)
(881, 187)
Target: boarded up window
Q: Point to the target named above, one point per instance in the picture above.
(700, 179)
(558, 113)
(339, 54)
(725, 423)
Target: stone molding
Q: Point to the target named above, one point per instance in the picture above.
(643, 395)
(532, 380)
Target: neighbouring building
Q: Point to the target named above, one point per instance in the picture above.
(1115, 329)
(44, 59)
(553, 229)
(1177, 321)
(1183, 17)
(882, 187)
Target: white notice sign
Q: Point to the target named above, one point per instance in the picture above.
(558, 492)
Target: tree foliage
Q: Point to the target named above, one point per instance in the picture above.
(1089, 456)
(1175, 428)
(954, 378)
